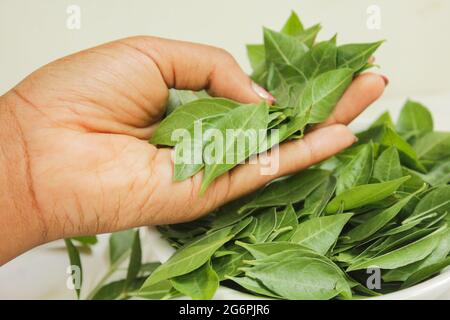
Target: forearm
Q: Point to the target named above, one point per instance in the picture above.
(20, 228)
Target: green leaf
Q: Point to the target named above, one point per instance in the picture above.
(308, 36)
(155, 291)
(287, 95)
(378, 221)
(439, 174)
(188, 156)
(320, 233)
(187, 149)
(407, 153)
(86, 240)
(358, 171)
(228, 266)
(265, 249)
(282, 49)
(355, 56)
(365, 194)
(437, 200)
(120, 244)
(321, 58)
(185, 116)
(388, 166)
(383, 119)
(433, 146)
(426, 272)
(415, 120)
(403, 256)
(300, 278)
(253, 286)
(227, 153)
(266, 223)
(75, 260)
(290, 190)
(315, 203)
(323, 92)
(286, 82)
(414, 183)
(200, 284)
(293, 25)
(286, 224)
(114, 290)
(439, 253)
(256, 55)
(287, 130)
(181, 97)
(191, 256)
(134, 265)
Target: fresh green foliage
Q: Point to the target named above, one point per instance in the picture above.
(364, 195)
(415, 120)
(134, 265)
(293, 25)
(192, 256)
(320, 233)
(356, 56)
(299, 277)
(383, 202)
(242, 118)
(86, 240)
(200, 284)
(120, 244)
(403, 256)
(316, 201)
(311, 234)
(388, 166)
(357, 171)
(290, 190)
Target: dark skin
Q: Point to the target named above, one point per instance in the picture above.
(75, 160)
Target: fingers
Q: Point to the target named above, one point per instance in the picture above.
(363, 91)
(185, 65)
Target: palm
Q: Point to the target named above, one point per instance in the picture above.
(87, 119)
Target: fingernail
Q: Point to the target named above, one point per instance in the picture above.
(386, 79)
(372, 59)
(260, 91)
(356, 139)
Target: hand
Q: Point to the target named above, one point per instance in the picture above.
(83, 164)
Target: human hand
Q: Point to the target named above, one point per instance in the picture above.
(82, 163)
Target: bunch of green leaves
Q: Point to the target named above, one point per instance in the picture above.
(382, 203)
(307, 78)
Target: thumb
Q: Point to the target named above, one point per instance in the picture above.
(191, 66)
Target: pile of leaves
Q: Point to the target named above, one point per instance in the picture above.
(383, 203)
(380, 207)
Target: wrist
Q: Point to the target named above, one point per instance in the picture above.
(20, 226)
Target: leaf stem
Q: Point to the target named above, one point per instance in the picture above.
(112, 269)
